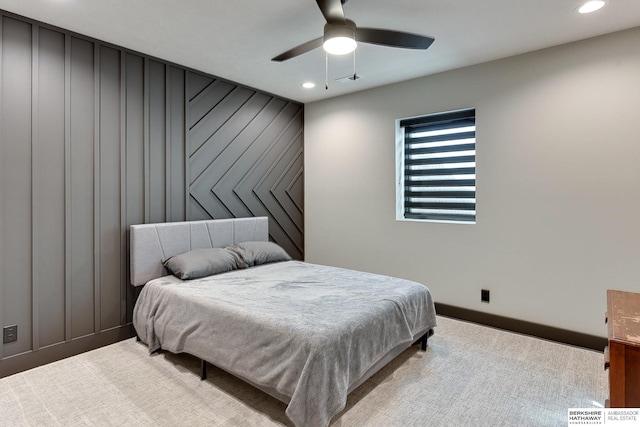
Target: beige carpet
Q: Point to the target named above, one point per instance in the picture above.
(469, 376)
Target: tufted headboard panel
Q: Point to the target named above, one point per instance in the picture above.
(151, 243)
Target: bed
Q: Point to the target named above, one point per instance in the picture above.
(306, 334)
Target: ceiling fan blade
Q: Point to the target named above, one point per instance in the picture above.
(298, 50)
(331, 10)
(393, 38)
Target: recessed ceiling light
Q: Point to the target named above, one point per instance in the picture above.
(591, 6)
(308, 85)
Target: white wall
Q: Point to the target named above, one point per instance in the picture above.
(558, 184)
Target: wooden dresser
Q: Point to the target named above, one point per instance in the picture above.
(622, 355)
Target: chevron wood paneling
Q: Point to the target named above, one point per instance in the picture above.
(245, 158)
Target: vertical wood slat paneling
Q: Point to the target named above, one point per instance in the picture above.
(94, 139)
(156, 141)
(49, 172)
(167, 144)
(146, 150)
(97, 207)
(1, 192)
(123, 191)
(68, 334)
(109, 226)
(135, 128)
(16, 178)
(187, 146)
(49, 189)
(136, 164)
(177, 145)
(82, 168)
(35, 193)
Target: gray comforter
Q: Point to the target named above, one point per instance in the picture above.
(304, 333)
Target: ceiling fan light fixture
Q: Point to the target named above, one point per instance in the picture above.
(339, 45)
(591, 6)
(339, 39)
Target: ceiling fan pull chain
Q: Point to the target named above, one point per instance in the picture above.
(326, 71)
(354, 65)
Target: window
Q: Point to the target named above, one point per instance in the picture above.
(436, 167)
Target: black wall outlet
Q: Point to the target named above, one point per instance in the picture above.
(9, 334)
(484, 295)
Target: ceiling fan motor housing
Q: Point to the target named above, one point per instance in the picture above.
(340, 29)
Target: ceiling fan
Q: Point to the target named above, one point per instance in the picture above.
(341, 35)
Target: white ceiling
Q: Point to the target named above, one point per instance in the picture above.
(236, 39)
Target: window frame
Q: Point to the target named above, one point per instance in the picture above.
(426, 121)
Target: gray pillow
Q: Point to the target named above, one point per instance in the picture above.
(257, 253)
(201, 262)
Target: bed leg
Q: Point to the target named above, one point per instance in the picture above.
(136, 294)
(424, 338)
(203, 369)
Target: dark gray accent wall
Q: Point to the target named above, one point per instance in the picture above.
(94, 138)
(245, 158)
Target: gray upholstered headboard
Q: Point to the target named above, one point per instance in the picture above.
(151, 243)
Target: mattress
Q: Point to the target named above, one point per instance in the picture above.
(302, 332)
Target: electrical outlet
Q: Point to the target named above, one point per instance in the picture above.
(10, 334)
(484, 295)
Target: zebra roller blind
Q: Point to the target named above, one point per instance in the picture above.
(439, 167)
